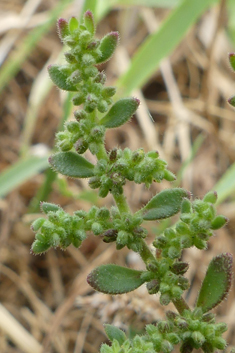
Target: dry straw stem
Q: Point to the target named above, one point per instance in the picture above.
(17, 333)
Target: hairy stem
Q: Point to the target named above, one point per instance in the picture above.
(146, 253)
(180, 304)
(121, 203)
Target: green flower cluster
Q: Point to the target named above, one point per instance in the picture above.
(166, 277)
(191, 330)
(61, 229)
(198, 220)
(198, 330)
(123, 165)
(81, 76)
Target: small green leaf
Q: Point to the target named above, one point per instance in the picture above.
(120, 112)
(47, 207)
(231, 57)
(38, 247)
(165, 204)
(114, 279)
(216, 283)
(60, 79)
(107, 47)
(63, 28)
(73, 24)
(89, 22)
(71, 164)
(114, 333)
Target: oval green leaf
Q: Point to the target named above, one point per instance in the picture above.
(114, 279)
(107, 46)
(120, 112)
(60, 79)
(114, 333)
(216, 283)
(165, 204)
(71, 164)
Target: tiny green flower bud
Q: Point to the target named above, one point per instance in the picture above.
(72, 127)
(153, 286)
(65, 145)
(78, 99)
(108, 92)
(36, 225)
(84, 38)
(39, 248)
(164, 326)
(94, 182)
(218, 222)
(100, 78)
(70, 58)
(81, 146)
(173, 338)
(182, 228)
(166, 346)
(80, 114)
(160, 242)
(102, 106)
(75, 78)
(170, 233)
(171, 315)
(179, 268)
(208, 317)
(186, 241)
(183, 282)
(110, 235)
(176, 292)
(211, 197)
(221, 328)
(165, 299)
(219, 343)
(198, 339)
(186, 206)
(181, 323)
(47, 207)
(97, 228)
(88, 59)
(169, 176)
(174, 252)
(103, 191)
(197, 314)
(200, 244)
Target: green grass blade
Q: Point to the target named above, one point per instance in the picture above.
(161, 43)
(104, 6)
(21, 171)
(15, 61)
(226, 185)
(90, 5)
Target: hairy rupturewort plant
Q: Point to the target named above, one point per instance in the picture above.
(164, 274)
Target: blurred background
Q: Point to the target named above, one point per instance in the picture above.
(173, 56)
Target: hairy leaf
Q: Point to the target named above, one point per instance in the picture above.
(60, 79)
(165, 204)
(120, 112)
(216, 283)
(114, 279)
(107, 46)
(71, 164)
(114, 333)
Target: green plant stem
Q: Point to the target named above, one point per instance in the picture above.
(121, 203)
(145, 253)
(180, 304)
(102, 154)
